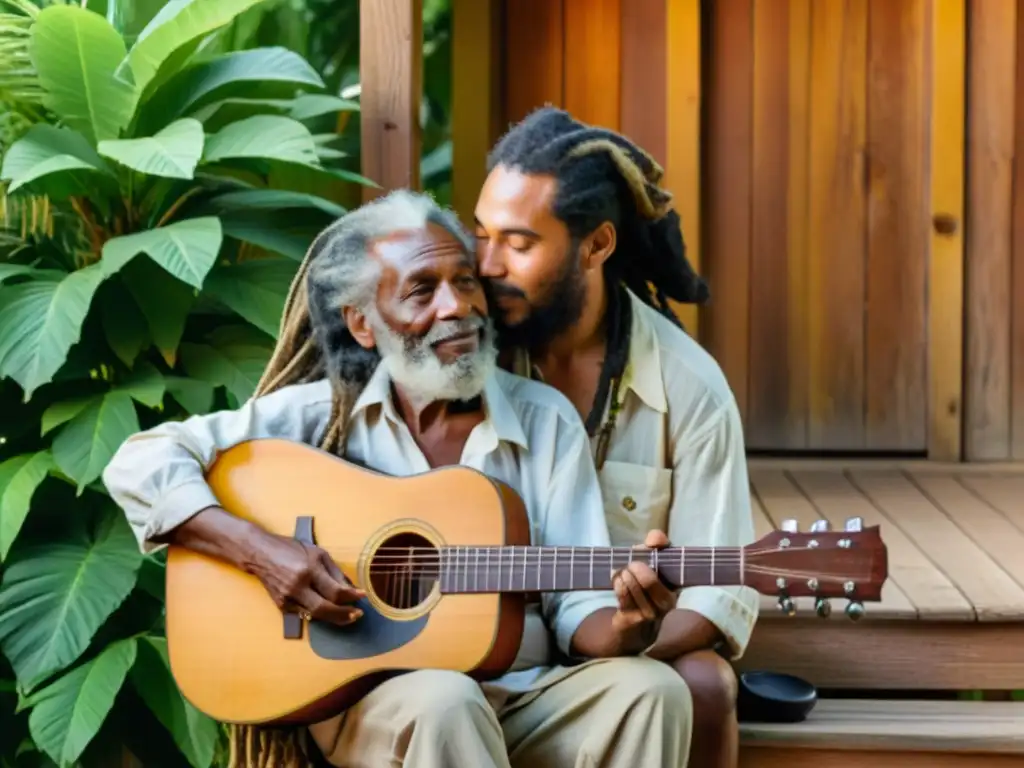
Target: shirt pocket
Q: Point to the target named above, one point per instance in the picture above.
(636, 499)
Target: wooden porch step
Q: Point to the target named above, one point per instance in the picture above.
(865, 733)
(952, 610)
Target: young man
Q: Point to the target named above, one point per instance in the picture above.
(386, 357)
(579, 252)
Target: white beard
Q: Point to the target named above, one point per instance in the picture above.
(418, 371)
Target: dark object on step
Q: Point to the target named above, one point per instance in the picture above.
(772, 697)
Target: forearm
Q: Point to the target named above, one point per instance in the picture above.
(683, 632)
(217, 533)
(599, 637)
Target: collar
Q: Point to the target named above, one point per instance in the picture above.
(501, 423)
(643, 370)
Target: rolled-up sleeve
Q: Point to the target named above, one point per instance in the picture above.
(710, 476)
(574, 516)
(158, 476)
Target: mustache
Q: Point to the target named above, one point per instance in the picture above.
(447, 329)
(496, 290)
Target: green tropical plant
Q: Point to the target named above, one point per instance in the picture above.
(153, 210)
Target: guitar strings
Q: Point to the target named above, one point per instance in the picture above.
(471, 572)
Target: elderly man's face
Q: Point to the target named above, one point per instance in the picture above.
(430, 318)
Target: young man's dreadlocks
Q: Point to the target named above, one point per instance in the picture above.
(313, 343)
(602, 176)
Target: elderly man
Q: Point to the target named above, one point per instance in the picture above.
(580, 251)
(386, 356)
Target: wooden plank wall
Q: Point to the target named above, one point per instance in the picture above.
(994, 373)
(629, 65)
(816, 208)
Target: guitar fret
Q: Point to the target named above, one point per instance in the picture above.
(465, 570)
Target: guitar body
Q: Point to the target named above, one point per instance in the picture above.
(227, 642)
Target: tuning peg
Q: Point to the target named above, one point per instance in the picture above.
(790, 526)
(823, 607)
(855, 610)
(787, 606)
(854, 524)
(820, 526)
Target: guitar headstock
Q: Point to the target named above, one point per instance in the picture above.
(823, 564)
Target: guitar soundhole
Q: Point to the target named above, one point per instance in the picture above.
(404, 570)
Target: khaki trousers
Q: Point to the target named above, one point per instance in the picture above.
(613, 713)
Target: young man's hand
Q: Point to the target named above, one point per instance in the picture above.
(644, 600)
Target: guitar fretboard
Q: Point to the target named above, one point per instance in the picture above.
(559, 569)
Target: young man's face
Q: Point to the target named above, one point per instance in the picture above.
(528, 262)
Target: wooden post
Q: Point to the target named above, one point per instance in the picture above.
(391, 86)
(946, 261)
(476, 102)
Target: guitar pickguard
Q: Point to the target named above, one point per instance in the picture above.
(372, 635)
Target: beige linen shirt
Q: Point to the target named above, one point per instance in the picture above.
(677, 462)
(531, 438)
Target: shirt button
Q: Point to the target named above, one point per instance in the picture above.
(628, 503)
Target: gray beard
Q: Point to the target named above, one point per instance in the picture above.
(417, 370)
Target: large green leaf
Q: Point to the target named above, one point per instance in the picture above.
(164, 301)
(310, 105)
(173, 152)
(234, 358)
(255, 289)
(55, 594)
(178, 24)
(19, 478)
(273, 200)
(13, 270)
(221, 76)
(59, 161)
(217, 114)
(124, 324)
(194, 395)
(64, 411)
(194, 733)
(88, 442)
(186, 249)
(146, 385)
(76, 52)
(288, 232)
(263, 137)
(40, 320)
(69, 712)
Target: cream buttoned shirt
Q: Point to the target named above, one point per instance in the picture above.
(677, 462)
(531, 438)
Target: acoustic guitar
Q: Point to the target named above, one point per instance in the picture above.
(446, 563)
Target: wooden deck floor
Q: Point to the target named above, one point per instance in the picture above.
(955, 536)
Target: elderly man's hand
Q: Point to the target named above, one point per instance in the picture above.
(644, 600)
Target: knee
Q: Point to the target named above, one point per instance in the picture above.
(645, 681)
(712, 684)
(443, 699)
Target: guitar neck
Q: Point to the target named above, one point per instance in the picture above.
(560, 569)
